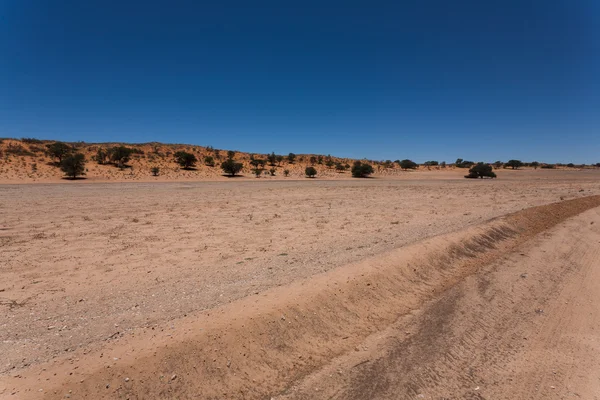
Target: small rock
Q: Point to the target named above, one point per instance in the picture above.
(126, 379)
(173, 377)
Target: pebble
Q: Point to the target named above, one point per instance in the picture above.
(173, 377)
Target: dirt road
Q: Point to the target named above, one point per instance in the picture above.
(525, 327)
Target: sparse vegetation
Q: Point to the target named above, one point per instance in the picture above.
(361, 170)
(535, 164)
(272, 171)
(155, 171)
(313, 160)
(291, 158)
(185, 160)
(272, 158)
(101, 156)
(310, 172)
(31, 141)
(286, 172)
(73, 165)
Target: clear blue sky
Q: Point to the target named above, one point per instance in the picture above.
(422, 79)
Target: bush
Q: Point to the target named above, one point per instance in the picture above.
(408, 164)
(209, 161)
(481, 170)
(230, 154)
(59, 150)
(74, 165)
(120, 155)
(258, 172)
(272, 158)
(571, 165)
(231, 167)
(291, 158)
(535, 164)
(339, 167)
(329, 163)
(431, 163)
(272, 171)
(31, 141)
(155, 171)
(548, 166)
(279, 160)
(185, 160)
(286, 172)
(361, 170)
(313, 160)
(311, 172)
(101, 156)
(18, 150)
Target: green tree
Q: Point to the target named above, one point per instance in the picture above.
(120, 155)
(291, 158)
(279, 160)
(514, 164)
(272, 158)
(59, 150)
(535, 164)
(498, 164)
(311, 172)
(231, 168)
(73, 165)
(361, 170)
(185, 160)
(339, 167)
(230, 154)
(481, 170)
(408, 164)
(101, 155)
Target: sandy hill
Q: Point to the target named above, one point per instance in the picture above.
(27, 161)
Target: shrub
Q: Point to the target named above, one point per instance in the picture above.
(311, 172)
(431, 163)
(570, 165)
(320, 159)
(313, 160)
(31, 141)
(291, 158)
(120, 155)
(329, 163)
(272, 158)
(535, 164)
(155, 171)
(498, 164)
(209, 161)
(18, 150)
(460, 163)
(279, 160)
(73, 165)
(185, 160)
(231, 167)
(230, 154)
(59, 150)
(481, 170)
(286, 172)
(258, 172)
(339, 167)
(101, 156)
(361, 170)
(548, 166)
(272, 171)
(514, 164)
(408, 164)
(257, 163)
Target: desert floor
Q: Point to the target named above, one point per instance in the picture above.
(89, 271)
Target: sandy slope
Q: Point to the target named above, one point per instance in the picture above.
(524, 327)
